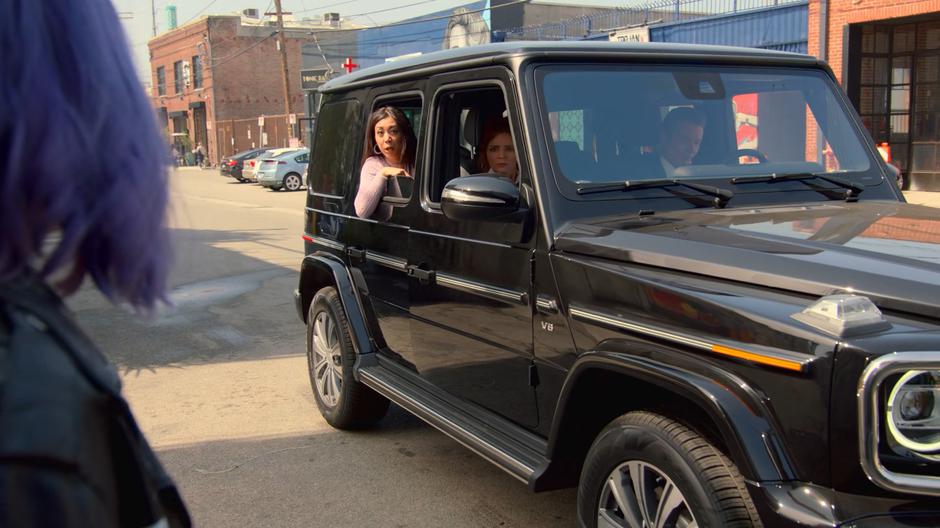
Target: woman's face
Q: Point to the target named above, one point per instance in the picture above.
(501, 155)
(388, 137)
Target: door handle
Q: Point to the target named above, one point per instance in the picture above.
(356, 253)
(424, 276)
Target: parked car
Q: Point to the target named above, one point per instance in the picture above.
(287, 171)
(251, 167)
(233, 166)
(693, 326)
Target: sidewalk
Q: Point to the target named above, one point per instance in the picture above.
(931, 199)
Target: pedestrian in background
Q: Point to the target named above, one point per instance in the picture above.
(200, 154)
(175, 154)
(71, 453)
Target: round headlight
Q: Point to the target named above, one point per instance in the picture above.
(912, 415)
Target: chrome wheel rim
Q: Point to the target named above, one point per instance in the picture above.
(292, 183)
(327, 360)
(639, 495)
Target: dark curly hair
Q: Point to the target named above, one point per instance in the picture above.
(409, 140)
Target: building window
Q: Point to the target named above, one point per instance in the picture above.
(178, 77)
(197, 71)
(161, 81)
(898, 98)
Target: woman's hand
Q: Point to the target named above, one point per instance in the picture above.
(389, 172)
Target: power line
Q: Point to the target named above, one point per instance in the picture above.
(326, 6)
(417, 21)
(387, 40)
(390, 9)
(219, 62)
(199, 12)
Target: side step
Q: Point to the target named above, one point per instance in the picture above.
(512, 448)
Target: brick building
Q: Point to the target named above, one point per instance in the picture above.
(214, 77)
(886, 53)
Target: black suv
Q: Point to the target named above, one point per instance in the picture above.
(726, 318)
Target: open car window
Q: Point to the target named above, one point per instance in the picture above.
(461, 116)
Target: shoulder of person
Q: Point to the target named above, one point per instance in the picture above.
(50, 374)
(63, 421)
(374, 164)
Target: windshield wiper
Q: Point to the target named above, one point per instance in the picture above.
(722, 196)
(852, 189)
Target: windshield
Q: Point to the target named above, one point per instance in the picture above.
(612, 123)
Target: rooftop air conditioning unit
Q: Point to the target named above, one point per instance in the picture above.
(250, 13)
(331, 19)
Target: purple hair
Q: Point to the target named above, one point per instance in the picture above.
(82, 158)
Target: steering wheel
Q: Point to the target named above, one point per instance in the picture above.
(754, 153)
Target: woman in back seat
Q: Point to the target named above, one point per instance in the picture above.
(389, 152)
(497, 154)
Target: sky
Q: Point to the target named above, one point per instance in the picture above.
(138, 21)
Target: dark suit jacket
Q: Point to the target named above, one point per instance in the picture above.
(645, 167)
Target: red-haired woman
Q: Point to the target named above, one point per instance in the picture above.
(497, 154)
(388, 152)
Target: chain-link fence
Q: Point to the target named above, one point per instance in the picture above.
(236, 135)
(657, 12)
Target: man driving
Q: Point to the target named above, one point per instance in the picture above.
(680, 138)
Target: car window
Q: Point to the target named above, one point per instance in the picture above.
(464, 118)
(615, 123)
(334, 151)
(413, 109)
(302, 158)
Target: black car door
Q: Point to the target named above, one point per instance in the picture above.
(471, 313)
(378, 248)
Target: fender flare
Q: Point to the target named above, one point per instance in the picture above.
(753, 442)
(320, 269)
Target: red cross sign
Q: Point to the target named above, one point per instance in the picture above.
(349, 65)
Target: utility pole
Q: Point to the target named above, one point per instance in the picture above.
(283, 45)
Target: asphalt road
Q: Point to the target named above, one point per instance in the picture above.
(219, 385)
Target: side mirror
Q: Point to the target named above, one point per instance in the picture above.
(486, 197)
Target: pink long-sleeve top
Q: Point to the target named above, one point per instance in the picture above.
(373, 186)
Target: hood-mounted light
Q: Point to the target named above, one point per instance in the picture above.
(844, 315)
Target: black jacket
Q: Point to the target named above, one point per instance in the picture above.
(70, 451)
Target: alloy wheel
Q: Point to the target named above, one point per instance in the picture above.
(327, 360)
(292, 182)
(639, 495)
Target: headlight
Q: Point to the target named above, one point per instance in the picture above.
(912, 416)
(899, 421)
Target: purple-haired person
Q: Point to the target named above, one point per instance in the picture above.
(83, 194)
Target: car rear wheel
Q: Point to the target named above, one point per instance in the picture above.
(292, 181)
(344, 402)
(647, 470)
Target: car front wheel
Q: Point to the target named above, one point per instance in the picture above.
(647, 470)
(344, 402)
(292, 182)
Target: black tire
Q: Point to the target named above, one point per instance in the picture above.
(344, 402)
(670, 457)
(292, 182)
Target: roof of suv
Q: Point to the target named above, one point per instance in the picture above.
(504, 51)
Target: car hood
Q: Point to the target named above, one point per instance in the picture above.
(889, 251)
